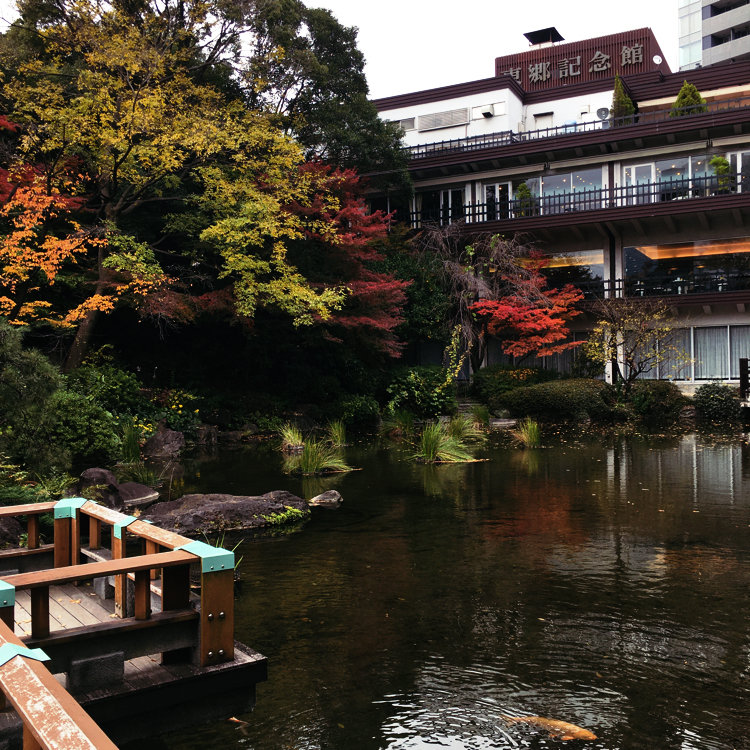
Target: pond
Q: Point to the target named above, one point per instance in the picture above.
(602, 582)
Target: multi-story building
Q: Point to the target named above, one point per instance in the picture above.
(713, 31)
(653, 205)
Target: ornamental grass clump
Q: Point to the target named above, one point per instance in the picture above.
(336, 433)
(466, 429)
(436, 445)
(291, 438)
(397, 424)
(316, 458)
(528, 433)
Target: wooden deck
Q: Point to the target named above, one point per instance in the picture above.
(123, 630)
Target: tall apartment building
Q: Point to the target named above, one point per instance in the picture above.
(653, 205)
(713, 31)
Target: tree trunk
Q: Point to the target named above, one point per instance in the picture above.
(80, 344)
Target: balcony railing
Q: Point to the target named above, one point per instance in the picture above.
(507, 137)
(585, 200)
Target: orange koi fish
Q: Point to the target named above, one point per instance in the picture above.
(560, 730)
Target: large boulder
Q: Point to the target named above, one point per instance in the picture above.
(203, 515)
(164, 444)
(104, 484)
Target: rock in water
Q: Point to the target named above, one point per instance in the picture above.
(196, 515)
(329, 499)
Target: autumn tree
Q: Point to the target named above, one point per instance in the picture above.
(138, 100)
(635, 337)
(496, 287)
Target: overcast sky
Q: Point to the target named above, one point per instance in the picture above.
(410, 45)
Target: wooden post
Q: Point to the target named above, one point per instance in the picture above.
(32, 532)
(29, 741)
(40, 612)
(62, 542)
(175, 594)
(217, 617)
(95, 533)
(75, 538)
(118, 552)
(142, 594)
(151, 549)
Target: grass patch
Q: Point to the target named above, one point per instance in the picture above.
(316, 458)
(437, 445)
(336, 433)
(528, 433)
(291, 437)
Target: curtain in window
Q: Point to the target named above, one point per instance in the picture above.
(711, 352)
(739, 346)
(675, 364)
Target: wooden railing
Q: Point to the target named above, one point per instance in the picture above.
(185, 627)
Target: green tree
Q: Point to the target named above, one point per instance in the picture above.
(689, 101)
(635, 336)
(622, 110)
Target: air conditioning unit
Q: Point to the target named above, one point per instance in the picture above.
(603, 113)
(486, 110)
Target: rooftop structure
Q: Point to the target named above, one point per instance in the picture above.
(651, 205)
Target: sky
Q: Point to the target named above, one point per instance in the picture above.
(410, 45)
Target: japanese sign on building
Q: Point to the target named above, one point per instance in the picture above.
(603, 57)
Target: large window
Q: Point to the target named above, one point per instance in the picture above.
(440, 206)
(584, 269)
(686, 268)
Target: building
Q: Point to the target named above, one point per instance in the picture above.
(653, 205)
(713, 31)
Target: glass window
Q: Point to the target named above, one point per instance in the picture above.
(675, 353)
(711, 352)
(739, 348)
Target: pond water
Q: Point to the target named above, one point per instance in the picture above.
(603, 583)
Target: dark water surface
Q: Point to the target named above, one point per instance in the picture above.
(603, 583)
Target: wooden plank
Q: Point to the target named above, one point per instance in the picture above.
(40, 612)
(95, 533)
(34, 509)
(140, 528)
(88, 571)
(151, 548)
(32, 532)
(217, 617)
(10, 554)
(75, 539)
(62, 542)
(143, 595)
(84, 599)
(53, 718)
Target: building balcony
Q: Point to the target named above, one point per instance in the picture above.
(621, 127)
(673, 191)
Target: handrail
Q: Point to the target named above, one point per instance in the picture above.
(508, 137)
(89, 571)
(51, 718)
(595, 199)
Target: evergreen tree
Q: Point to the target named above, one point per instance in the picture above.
(689, 101)
(623, 109)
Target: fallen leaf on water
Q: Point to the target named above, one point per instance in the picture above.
(341, 726)
(598, 675)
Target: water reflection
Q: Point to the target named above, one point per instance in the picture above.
(604, 584)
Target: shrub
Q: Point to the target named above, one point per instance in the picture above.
(716, 403)
(491, 383)
(291, 437)
(424, 391)
(656, 402)
(316, 458)
(86, 432)
(115, 390)
(359, 412)
(562, 400)
(178, 410)
(336, 433)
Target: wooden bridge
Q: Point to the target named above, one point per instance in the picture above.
(117, 631)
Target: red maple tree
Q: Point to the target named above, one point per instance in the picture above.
(534, 318)
(373, 307)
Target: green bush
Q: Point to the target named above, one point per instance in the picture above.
(575, 399)
(422, 391)
(178, 409)
(717, 403)
(491, 383)
(359, 412)
(656, 402)
(81, 428)
(115, 390)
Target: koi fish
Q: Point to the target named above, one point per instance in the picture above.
(560, 730)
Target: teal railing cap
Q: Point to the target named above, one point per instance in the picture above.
(213, 559)
(7, 594)
(67, 507)
(10, 650)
